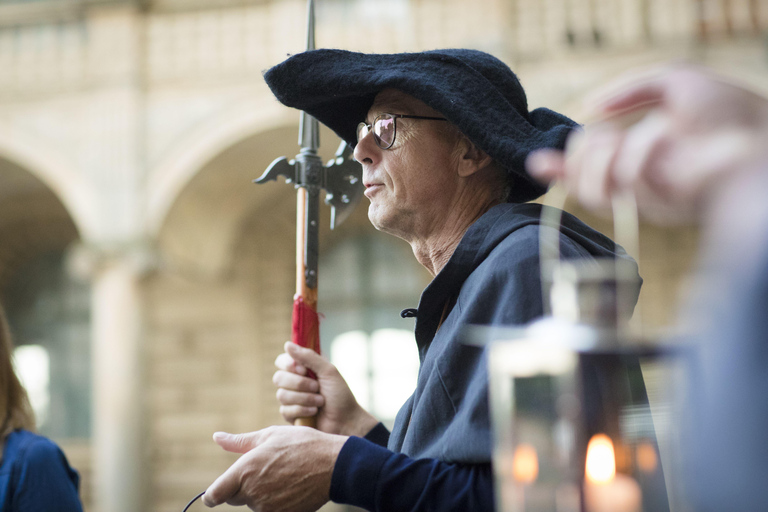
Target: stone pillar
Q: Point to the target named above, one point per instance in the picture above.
(117, 320)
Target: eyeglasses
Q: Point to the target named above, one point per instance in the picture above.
(384, 128)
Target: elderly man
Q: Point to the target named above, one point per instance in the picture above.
(442, 137)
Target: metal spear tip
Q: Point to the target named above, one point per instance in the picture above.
(310, 25)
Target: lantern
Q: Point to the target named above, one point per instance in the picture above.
(581, 406)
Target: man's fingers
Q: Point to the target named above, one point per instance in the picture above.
(639, 97)
(640, 150)
(237, 443)
(291, 412)
(293, 382)
(594, 184)
(546, 165)
(631, 92)
(224, 487)
(287, 363)
(287, 397)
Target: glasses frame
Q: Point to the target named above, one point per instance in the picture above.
(395, 117)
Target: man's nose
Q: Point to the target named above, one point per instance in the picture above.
(366, 152)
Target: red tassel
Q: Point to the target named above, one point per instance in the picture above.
(306, 327)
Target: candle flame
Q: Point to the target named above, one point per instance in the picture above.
(601, 460)
(525, 464)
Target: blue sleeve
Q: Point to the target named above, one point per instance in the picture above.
(369, 476)
(379, 435)
(46, 481)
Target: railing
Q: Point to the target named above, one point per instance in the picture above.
(59, 45)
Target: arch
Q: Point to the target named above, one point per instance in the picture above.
(180, 164)
(54, 170)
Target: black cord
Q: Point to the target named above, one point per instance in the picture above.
(193, 500)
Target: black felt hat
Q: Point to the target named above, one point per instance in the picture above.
(472, 89)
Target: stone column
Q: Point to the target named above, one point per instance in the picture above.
(118, 451)
(114, 127)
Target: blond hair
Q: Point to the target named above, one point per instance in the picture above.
(15, 408)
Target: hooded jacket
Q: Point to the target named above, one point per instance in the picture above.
(438, 455)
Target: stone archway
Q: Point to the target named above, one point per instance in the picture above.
(53, 172)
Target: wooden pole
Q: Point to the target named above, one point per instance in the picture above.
(308, 296)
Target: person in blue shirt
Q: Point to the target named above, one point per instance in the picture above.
(694, 146)
(442, 137)
(34, 473)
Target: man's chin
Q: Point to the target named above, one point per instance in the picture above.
(379, 218)
(374, 216)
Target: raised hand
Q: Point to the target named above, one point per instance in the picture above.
(673, 137)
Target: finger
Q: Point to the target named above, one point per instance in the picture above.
(637, 159)
(628, 93)
(546, 165)
(238, 443)
(594, 184)
(307, 357)
(291, 412)
(224, 487)
(574, 155)
(287, 397)
(287, 363)
(294, 382)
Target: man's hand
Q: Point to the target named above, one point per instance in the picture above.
(283, 469)
(328, 397)
(673, 137)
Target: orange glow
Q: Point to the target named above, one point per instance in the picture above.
(647, 460)
(601, 460)
(623, 457)
(525, 464)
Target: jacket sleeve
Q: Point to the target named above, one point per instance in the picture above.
(378, 435)
(369, 476)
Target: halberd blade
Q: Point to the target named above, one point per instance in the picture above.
(279, 167)
(343, 184)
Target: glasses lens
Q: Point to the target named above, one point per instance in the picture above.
(384, 130)
(362, 131)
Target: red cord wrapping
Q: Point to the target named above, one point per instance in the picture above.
(306, 327)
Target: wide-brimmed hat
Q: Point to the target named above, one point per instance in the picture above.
(474, 90)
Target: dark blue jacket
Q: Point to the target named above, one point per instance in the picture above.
(35, 476)
(438, 455)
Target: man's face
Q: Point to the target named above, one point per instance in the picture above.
(413, 184)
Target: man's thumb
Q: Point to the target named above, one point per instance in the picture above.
(237, 443)
(306, 357)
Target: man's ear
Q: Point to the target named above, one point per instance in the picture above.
(471, 158)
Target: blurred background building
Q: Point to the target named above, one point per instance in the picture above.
(149, 283)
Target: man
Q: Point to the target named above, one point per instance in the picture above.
(442, 137)
(699, 151)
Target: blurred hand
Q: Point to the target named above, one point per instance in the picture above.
(328, 397)
(672, 137)
(283, 469)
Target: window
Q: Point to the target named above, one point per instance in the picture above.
(366, 281)
(33, 367)
(380, 368)
(49, 316)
